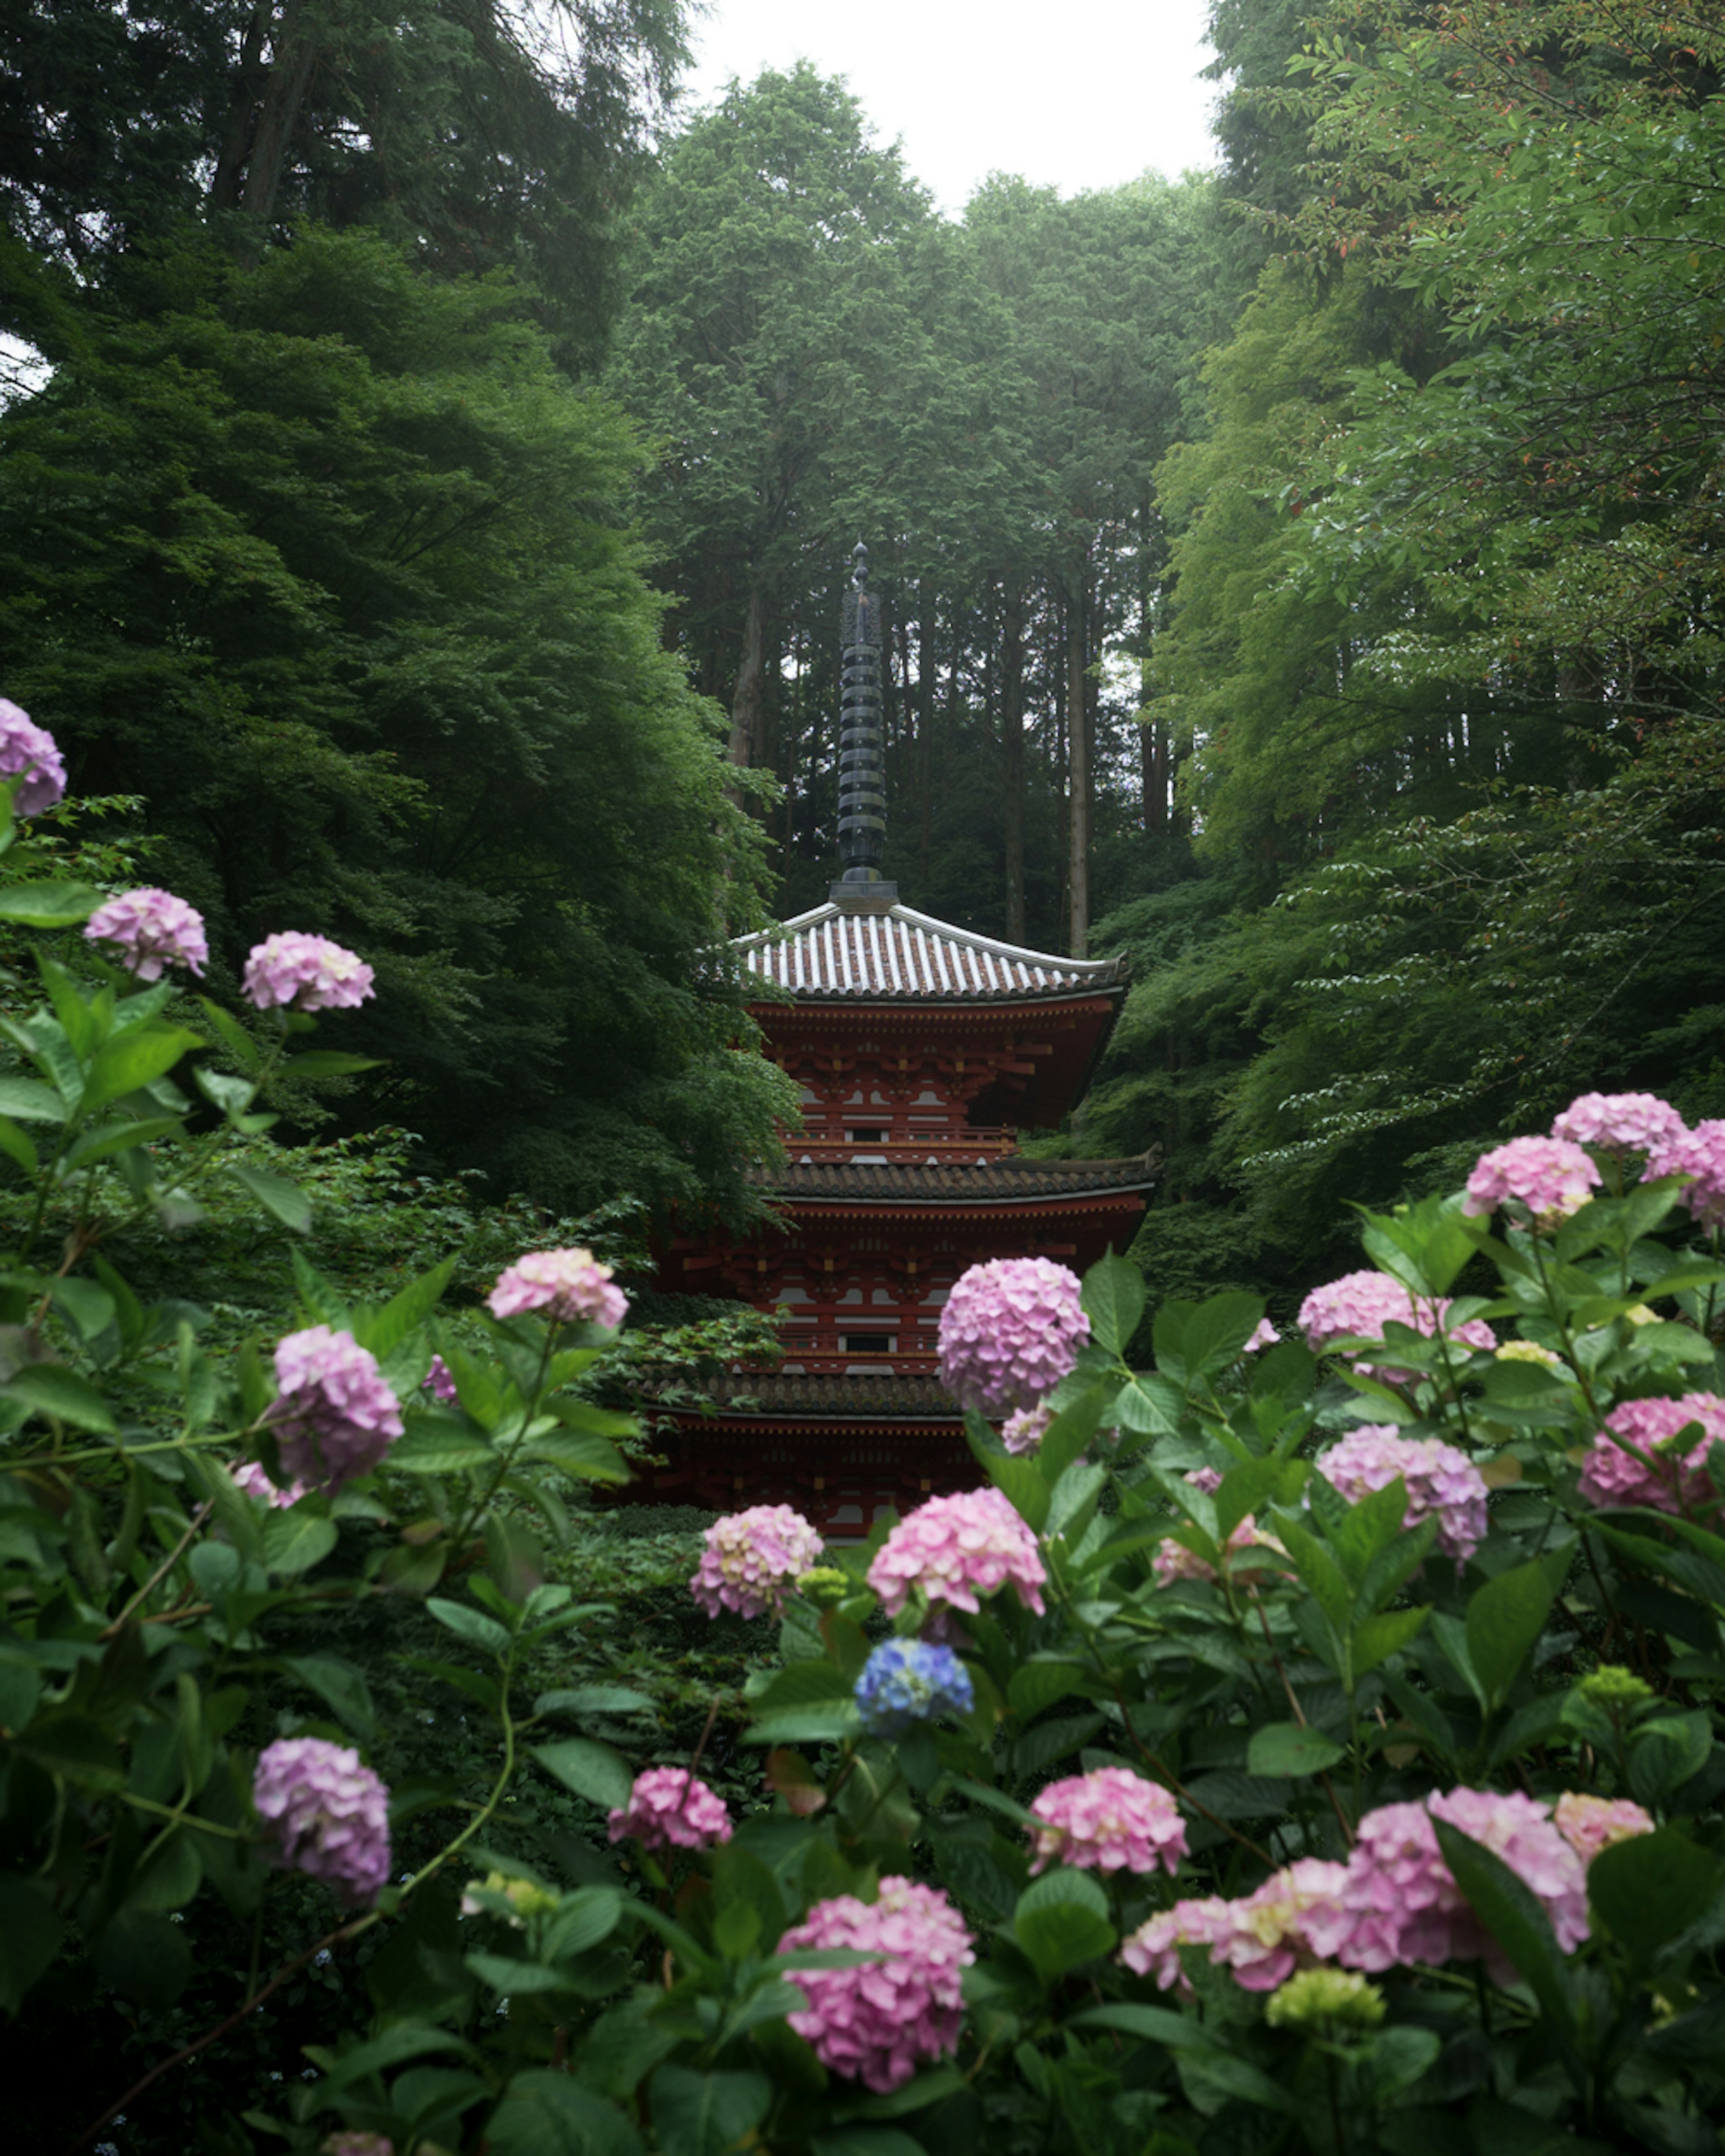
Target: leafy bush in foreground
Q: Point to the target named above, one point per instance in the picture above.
(1271, 1751)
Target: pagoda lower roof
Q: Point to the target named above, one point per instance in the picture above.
(759, 1394)
(874, 954)
(1013, 1181)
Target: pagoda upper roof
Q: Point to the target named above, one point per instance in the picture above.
(1013, 1181)
(865, 952)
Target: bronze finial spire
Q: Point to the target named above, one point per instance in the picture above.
(862, 796)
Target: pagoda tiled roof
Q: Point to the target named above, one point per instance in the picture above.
(1013, 1180)
(789, 1393)
(892, 954)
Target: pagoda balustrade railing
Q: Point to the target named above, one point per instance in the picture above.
(986, 1142)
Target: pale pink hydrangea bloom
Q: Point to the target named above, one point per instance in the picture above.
(328, 1815)
(1360, 1304)
(1025, 1431)
(308, 972)
(1700, 1153)
(1591, 1823)
(1551, 1176)
(1009, 1332)
(1620, 1122)
(751, 1557)
(875, 2022)
(150, 929)
(570, 1286)
(668, 1808)
(1265, 1939)
(25, 746)
(250, 1477)
(1441, 1482)
(955, 1548)
(438, 1381)
(1264, 1335)
(1399, 1903)
(1109, 1820)
(1209, 1480)
(1173, 1561)
(1610, 1475)
(336, 1418)
(1153, 1949)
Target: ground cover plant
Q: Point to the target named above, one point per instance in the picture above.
(1302, 1743)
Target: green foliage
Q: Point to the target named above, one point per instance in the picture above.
(365, 546)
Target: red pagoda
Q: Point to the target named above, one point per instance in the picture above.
(922, 1051)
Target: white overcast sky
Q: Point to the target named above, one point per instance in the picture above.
(1082, 94)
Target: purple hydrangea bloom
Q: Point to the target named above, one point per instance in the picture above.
(327, 1814)
(1620, 1122)
(751, 1557)
(874, 2022)
(438, 1381)
(669, 1808)
(1612, 1475)
(337, 1418)
(307, 973)
(907, 1682)
(1700, 1153)
(1551, 1176)
(25, 746)
(249, 1475)
(150, 929)
(955, 1548)
(1025, 1428)
(1009, 1332)
(570, 1286)
(1358, 1306)
(1441, 1483)
(1399, 1902)
(1110, 1819)
(356, 2144)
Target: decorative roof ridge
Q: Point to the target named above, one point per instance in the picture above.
(1100, 970)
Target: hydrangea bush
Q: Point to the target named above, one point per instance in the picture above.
(1302, 1743)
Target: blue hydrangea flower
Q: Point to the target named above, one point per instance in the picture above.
(906, 1682)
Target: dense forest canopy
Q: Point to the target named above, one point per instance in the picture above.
(437, 494)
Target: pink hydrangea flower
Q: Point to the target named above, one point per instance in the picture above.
(751, 1557)
(1359, 1304)
(250, 1477)
(438, 1381)
(1591, 1823)
(150, 929)
(326, 1815)
(1109, 1820)
(1441, 1482)
(1265, 1939)
(955, 1548)
(1024, 1432)
(336, 1418)
(356, 2144)
(1264, 1335)
(1700, 1153)
(1009, 1332)
(1173, 1561)
(1209, 1480)
(1551, 1176)
(570, 1286)
(1620, 1122)
(1399, 1902)
(875, 2022)
(668, 1808)
(1610, 1475)
(308, 972)
(25, 746)
(1153, 1949)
